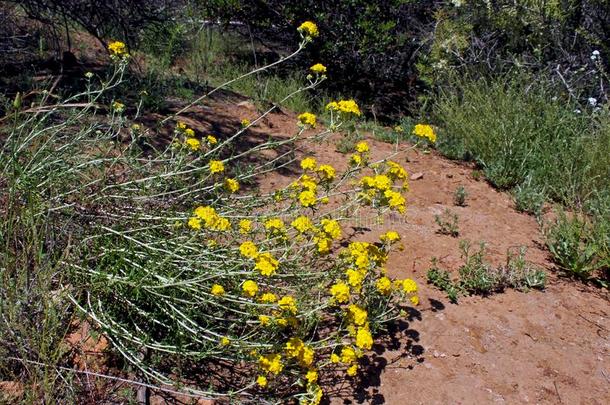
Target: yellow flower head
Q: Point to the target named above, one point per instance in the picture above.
(352, 370)
(194, 223)
(357, 315)
(211, 139)
(261, 380)
(340, 292)
(348, 355)
(362, 147)
(409, 286)
(217, 290)
(308, 29)
(268, 298)
(334, 358)
(355, 160)
(249, 288)
(216, 166)
(189, 132)
(307, 119)
(318, 69)
(264, 320)
(225, 341)
(364, 340)
(266, 264)
(231, 185)
(331, 228)
(248, 249)
(302, 224)
(245, 122)
(311, 376)
(307, 198)
(390, 237)
(181, 126)
(118, 107)
(396, 171)
(288, 303)
(192, 143)
(349, 107)
(117, 48)
(414, 300)
(275, 226)
(272, 363)
(384, 285)
(327, 172)
(245, 226)
(308, 163)
(425, 131)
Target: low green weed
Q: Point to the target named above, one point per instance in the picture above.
(459, 196)
(448, 223)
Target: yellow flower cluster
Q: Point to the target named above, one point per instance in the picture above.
(307, 119)
(379, 190)
(318, 69)
(118, 49)
(344, 106)
(309, 30)
(118, 107)
(207, 217)
(425, 131)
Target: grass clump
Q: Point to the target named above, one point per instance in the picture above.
(459, 196)
(478, 277)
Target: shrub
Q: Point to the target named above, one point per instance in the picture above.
(448, 223)
(459, 196)
(185, 266)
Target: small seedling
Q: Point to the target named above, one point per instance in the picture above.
(459, 196)
(448, 223)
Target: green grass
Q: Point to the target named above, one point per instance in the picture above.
(541, 146)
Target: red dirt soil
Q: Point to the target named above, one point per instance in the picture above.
(540, 347)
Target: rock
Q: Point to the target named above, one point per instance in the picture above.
(417, 176)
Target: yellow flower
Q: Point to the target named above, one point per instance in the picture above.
(348, 355)
(390, 236)
(302, 224)
(118, 107)
(362, 147)
(355, 160)
(261, 380)
(231, 185)
(216, 166)
(250, 288)
(225, 341)
(308, 119)
(395, 200)
(283, 322)
(334, 358)
(264, 320)
(268, 298)
(355, 278)
(352, 370)
(211, 140)
(311, 376)
(245, 226)
(248, 249)
(266, 264)
(384, 285)
(364, 340)
(414, 300)
(245, 123)
(425, 131)
(117, 48)
(309, 29)
(181, 126)
(327, 172)
(194, 223)
(307, 198)
(357, 315)
(275, 226)
(396, 172)
(382, 182)
(308, 163)
(332, 106)
(409, 286)
(349, 107)
(340, 292)
(288, 303)
(331, 228)
(399, 129)
(318, 69)
(323, 244)
(272, 363)
(189, 132)
(192, 143)
(217, 290)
